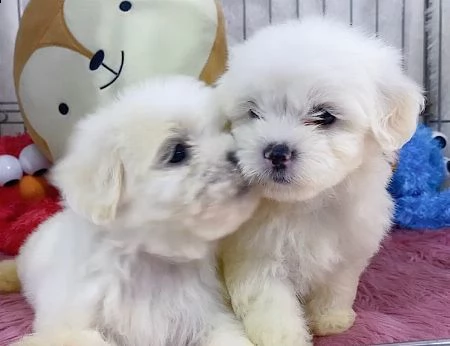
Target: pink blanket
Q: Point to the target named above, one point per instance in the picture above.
(404, 295)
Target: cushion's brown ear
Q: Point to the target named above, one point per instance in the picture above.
(401, 101)
(90, 175)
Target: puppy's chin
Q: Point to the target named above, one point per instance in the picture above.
(288, 192)
(281, 185)
(286, 186)
(219, 220)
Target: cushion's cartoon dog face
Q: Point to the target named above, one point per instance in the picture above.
(73, 55)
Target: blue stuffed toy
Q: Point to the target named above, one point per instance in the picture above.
(417, 182)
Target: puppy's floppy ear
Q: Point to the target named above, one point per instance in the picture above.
(400, 103)
(90, 175)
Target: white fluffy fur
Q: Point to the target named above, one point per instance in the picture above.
(314, 234)
(132, 255)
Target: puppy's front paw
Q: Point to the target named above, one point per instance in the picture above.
(277, 331)
(332, 321)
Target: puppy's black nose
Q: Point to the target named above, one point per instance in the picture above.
(278, 154)
(232, 158)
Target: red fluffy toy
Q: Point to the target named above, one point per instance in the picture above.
(26, 198)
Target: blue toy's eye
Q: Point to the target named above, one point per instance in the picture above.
(447, 165)
(442, 141)
(125, 6)
(440, 138)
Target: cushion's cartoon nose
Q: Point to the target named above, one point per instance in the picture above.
(97, 60)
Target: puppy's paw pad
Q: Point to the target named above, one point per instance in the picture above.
(332, 322)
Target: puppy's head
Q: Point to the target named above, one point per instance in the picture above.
(310, 101)
(155, 160)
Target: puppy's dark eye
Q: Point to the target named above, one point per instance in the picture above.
(323, 118)
(179, 154)
(253, 115)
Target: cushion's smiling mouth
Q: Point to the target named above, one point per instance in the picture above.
(97, 61)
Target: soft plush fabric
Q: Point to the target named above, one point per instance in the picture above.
(15, 318)
(73, 55)
(404, 295)
(20, 216)
(417, 182)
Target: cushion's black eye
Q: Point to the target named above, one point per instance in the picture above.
(253, 115)
(63, 108)
(125, 6)
(324, 118)
(179, 154)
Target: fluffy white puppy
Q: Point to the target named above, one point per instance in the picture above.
(316, 108)
(150, 185)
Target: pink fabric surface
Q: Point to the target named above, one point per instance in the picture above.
(404, 295)
(15, 318)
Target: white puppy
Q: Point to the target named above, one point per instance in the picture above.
(317, 109)
(150, 185)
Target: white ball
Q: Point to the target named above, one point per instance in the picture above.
(10, 169)
(32, 160)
